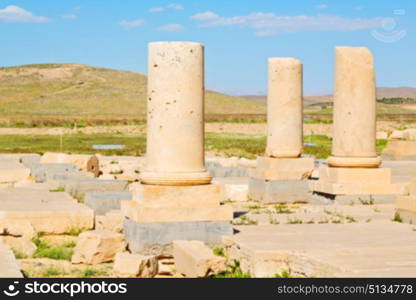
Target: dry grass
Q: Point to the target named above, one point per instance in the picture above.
(70, 92)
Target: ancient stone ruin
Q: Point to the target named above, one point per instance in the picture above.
(174, 213)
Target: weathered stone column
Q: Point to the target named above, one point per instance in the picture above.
(280, 176)
(353, 174)
(284, 108)
(175, 115)
(354, 129)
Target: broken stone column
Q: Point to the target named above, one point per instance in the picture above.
(279, 176)
(175, 198)
(354, 130)
(284, 108)
(353, 168)
(175, 115)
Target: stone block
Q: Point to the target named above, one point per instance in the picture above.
(112, 220)
(135, 265)
(52, 213)
(406, 203)
(28, 160)
(158, 214)
(17, 228)
(194, 259)
(44, 172)
(75, 175)
(411, 187)
(327, 199)
(408, 217)
(382, 135)
(354, 188)
(279, 191)
(79, 188)
(228, 171)
(354, 181)
(9, 267)
(406, 208)
(283, 168)
(235, 192)
(208, 195)
(103, 202)
(12, 171)
(21, 244)
(98, 246)
(106, 177)
(397, 135)
(143, 236)
(355, 175)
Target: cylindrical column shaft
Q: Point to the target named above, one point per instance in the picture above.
(284, 108)
(175, 115)
(354, 129)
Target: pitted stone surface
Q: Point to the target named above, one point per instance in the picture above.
(175, 103)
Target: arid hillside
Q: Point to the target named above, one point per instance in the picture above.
(73, 91)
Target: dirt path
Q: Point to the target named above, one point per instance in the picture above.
(243, 128)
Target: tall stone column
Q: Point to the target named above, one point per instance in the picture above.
(353, 169)
(175, 115)
(284, 108)
(354, 129)
(280, 176)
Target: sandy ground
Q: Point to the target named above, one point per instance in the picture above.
(243, 128)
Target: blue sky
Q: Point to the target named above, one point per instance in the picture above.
(239, 36)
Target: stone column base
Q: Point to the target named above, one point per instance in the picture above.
(354, 181)
(354, 162)
(283, 168)
(158, 215)
(279, 191)
(156, 237)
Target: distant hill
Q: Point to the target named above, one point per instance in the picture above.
(80, 91)
(382, 92)
(400, 92)
(307, 100)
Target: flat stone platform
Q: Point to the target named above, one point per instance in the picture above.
(376, 249)
(48, 212)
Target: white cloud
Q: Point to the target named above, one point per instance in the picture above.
(268, 24)
(171, 28)
(322, 6)
(208, 15)
(131, 24)
(173, 6)
(69, 16)
(156, 9)
(17, 14)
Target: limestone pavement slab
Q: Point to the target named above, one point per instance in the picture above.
(376, 249)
